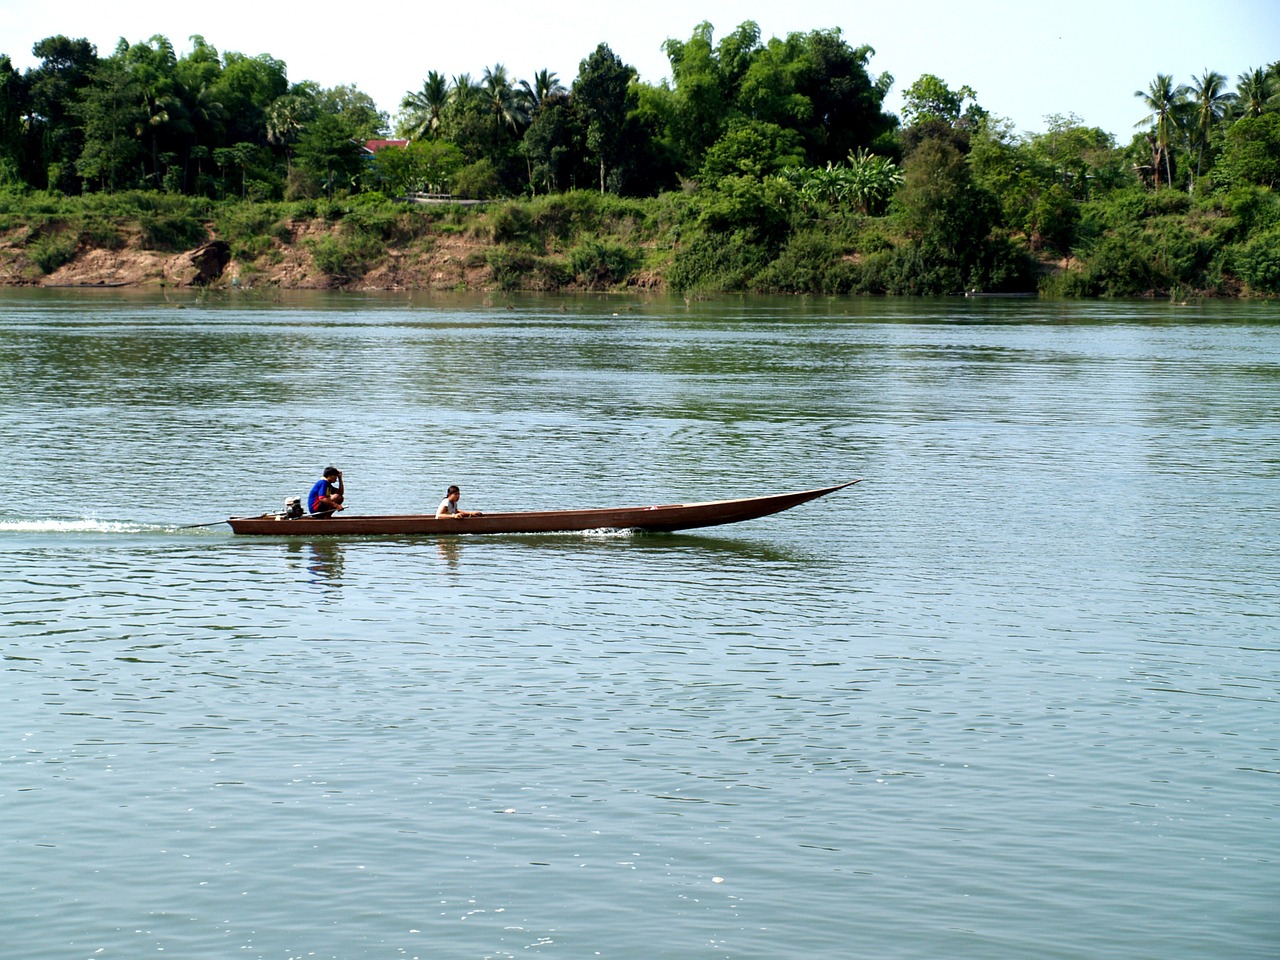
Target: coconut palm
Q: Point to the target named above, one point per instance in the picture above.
(1210, 100)
(503, 99)
(286, 119)
(545, 84)
(1255, 91)
(463, 90)
(425, 107)
(1164, 100)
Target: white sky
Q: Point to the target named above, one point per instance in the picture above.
(1025, 58)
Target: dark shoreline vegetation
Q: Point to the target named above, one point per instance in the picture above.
(763, 166)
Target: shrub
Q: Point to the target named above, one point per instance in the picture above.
(102, 234)
(477, 181)
(515, 269)
(913, 269)
(510, 223)
(170, 231)
(51, 251)
(599, 263)
(507, 268)
(249, 229)
(1257, 263)
(715, 262)
(811, 262)
(374, 222)
(345, 256)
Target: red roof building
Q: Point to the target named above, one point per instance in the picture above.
(373, 146)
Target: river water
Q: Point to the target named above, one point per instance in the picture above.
(1017, 694)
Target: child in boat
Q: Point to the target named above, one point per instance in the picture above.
(449, 506)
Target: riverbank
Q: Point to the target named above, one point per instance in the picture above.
(572, 242)
(1145, 246)
(288, 261)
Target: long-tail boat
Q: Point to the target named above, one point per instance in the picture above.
(667, 517)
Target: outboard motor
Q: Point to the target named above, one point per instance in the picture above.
(292, 508)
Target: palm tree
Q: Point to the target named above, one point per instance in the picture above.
(207, 115)
(1164, 100)
(286, 119)
(502, 97)
(426, 106)
(1210, 99)
(1255, 91)
(545, 84)
(463, 90)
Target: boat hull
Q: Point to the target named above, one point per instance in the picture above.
(668, 517)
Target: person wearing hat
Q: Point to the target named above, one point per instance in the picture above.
(327, 495)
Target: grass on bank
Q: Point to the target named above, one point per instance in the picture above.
(1131, 243)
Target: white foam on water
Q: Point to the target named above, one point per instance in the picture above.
(77, 525)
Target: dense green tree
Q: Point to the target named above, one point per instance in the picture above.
(1084, 159)
(751, 149)
(846, 103)
(947, 214)
(357, 110)
(246, 88)
(814, 83)
(328, 151)
(769, 90)
(603, 97)
(55, 135)
(930, 99)
(1251, 152)
(933, 111)
(553, 144)
(112, 112)
(13, 107)
(423, 165)
(706, 80)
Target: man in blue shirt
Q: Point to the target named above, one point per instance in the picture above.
(327, 495)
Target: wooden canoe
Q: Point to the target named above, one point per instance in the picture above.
(673, 516)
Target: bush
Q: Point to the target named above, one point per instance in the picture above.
(102, 234)
(514, 269)
(811, 262)
(913, 269)
(477, 181)
(51, 251)
(1254, 208)
(510, 223)
(345, 256)
(376, 223)
(249, 229)
(714, 262)
(171, 231)
(599, 263)
(1257, 263)
(507, 268)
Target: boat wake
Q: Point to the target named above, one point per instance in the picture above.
(79, 525)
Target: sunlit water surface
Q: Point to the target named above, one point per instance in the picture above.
(1015, 695)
